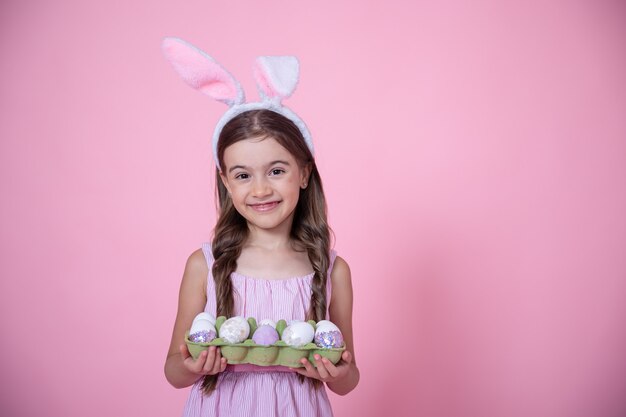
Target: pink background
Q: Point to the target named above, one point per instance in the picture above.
(474, 159)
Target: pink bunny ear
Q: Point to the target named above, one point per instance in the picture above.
(201, 71)
(276, 76)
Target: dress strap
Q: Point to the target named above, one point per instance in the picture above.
(332, 257)
(208, 254)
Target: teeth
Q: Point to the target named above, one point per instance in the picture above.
(264, 206)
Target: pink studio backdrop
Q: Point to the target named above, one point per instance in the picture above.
(474, 156)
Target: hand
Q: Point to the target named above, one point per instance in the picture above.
(210, 361)
(325, 370)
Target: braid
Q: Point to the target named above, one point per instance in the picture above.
(317, 308)
(230, 234)
(311, 230)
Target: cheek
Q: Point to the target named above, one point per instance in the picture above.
(292, 186)
(237, 193)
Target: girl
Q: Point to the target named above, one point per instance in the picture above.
(270, 256)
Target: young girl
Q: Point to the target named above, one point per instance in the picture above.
(270, 256)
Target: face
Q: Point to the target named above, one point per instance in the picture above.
(264, 182)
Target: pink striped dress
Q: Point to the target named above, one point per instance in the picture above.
(248, 390)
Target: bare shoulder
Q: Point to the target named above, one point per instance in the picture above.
(196, 272)
(341, 282)
(196, 263)
(340, 275)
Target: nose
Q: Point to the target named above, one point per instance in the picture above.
(261, 187)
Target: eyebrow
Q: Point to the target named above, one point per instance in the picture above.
(278, 161)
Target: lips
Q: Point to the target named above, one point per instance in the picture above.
(264, 206)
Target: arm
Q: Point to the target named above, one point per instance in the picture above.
(341, 314)
(181, 370)
(344, 376)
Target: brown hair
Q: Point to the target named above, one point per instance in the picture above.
(309, 230)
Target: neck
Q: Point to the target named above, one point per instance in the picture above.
(271, 239)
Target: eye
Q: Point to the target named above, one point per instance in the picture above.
(242, 176)
(277, 171)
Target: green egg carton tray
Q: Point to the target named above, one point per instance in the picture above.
(278, 354)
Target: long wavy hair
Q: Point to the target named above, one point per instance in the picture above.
(310, 229)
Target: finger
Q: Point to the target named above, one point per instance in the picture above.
(217, 363)
(309, 370)
(346, 356)
(184, 352)
(210, 359)
(332, 370)
(223, 363)
(195, 365)
(321, 369)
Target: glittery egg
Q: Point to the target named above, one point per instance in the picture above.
(265, 335)
(329, 339)
(235, 330)
(298, 334)
(202, 331)
(328, 335)
(326, 325)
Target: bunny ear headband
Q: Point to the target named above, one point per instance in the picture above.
(276, 78)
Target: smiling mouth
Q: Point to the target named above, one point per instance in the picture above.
(264, 206)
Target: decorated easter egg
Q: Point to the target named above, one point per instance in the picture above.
(265, 335)
(323, 323)
(202, 331)
(298, 334)
(328, 335)
(205, 316)
(268, 322)
(235, 330)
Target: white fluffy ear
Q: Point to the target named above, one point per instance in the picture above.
(276, 76)
(201, 72)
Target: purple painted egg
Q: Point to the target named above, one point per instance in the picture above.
(265, 335)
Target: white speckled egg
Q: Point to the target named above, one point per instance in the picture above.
(235, 330)
(298, 334)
